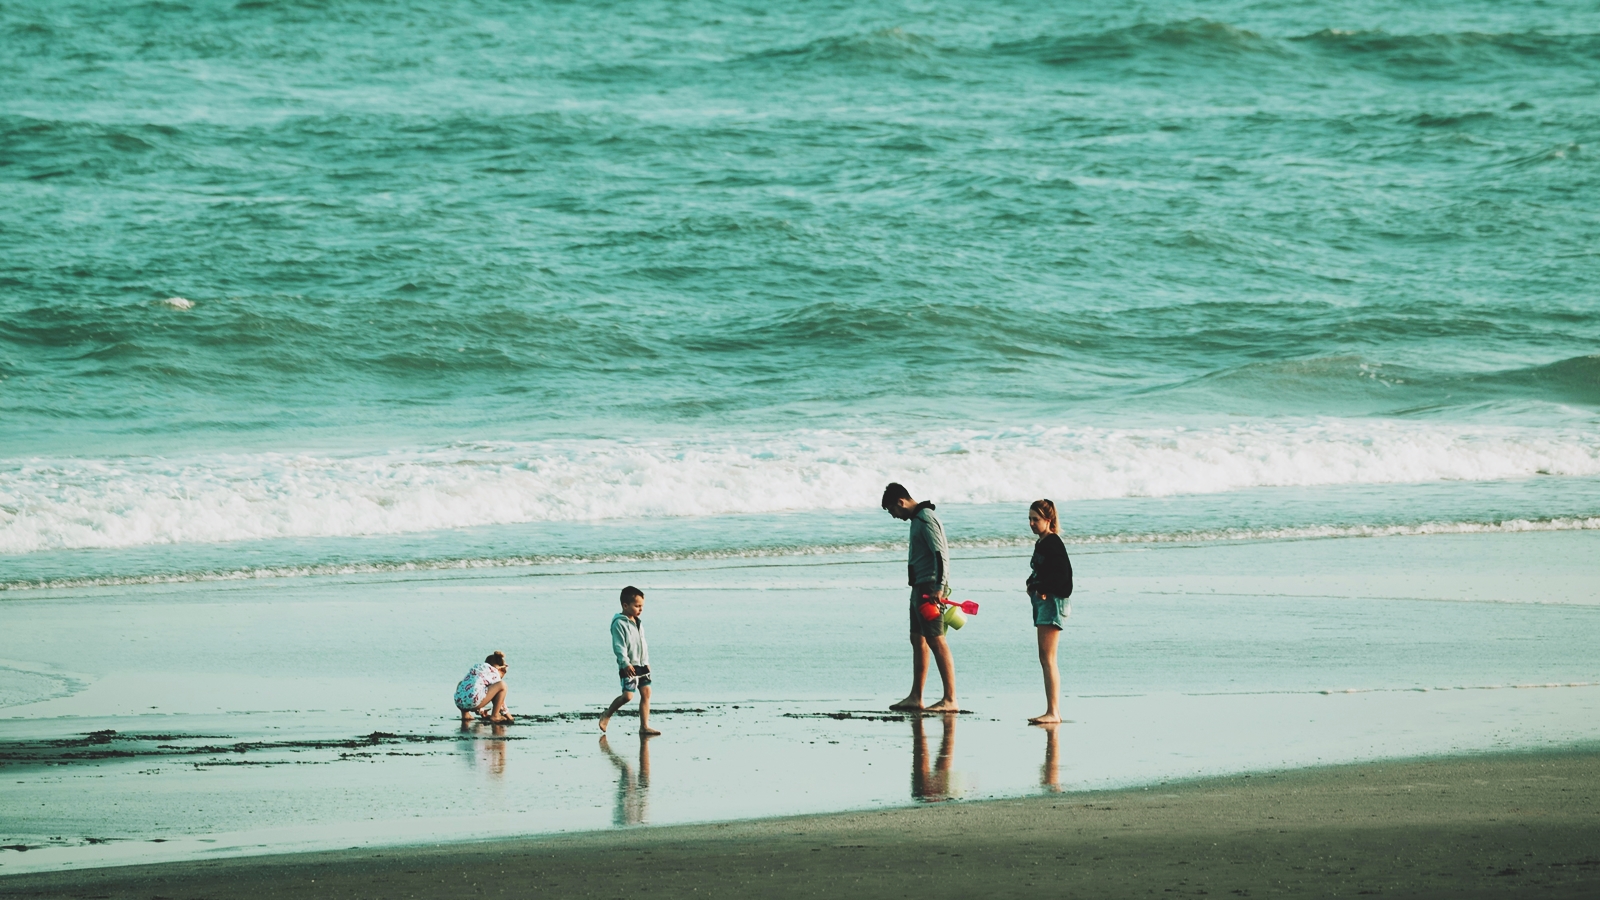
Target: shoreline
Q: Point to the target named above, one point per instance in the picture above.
(1479, 825)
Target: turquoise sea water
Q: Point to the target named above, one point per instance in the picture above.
(302, 287)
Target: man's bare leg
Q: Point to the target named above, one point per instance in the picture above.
(947, 674)
(919, 674)
(605, 717)
(644, 712)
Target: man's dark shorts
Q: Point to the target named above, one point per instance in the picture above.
(925, 627)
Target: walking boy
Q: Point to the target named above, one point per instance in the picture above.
(928, 571)
(633, 659)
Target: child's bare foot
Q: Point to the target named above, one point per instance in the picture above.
(466, 717)
(647, 731)
(1046, 719)
(604, 721)
(912, 702)
(948, 704)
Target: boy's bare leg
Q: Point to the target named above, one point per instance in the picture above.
(1049, 635)
(919, 673)
(947, 674)
(644, 711)
(605, 717)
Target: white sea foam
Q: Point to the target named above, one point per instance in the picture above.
(51, 504)
(437, 565)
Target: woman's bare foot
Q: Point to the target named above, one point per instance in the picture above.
(912, 702)
(1046, 719)
(647, 731)
(948, 704)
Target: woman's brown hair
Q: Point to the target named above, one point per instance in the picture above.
(1047, 512)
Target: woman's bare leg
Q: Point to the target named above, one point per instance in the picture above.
(493, 706)
(1049, 636)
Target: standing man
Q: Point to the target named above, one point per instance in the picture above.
(928, 571)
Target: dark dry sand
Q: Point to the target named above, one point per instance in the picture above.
(1486, 826)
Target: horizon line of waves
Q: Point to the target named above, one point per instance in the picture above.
(1205, 40)
(1224, 535)
(1573, 380)
(67, 504)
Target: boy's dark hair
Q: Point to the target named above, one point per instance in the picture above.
(630, 592)
(894, 493)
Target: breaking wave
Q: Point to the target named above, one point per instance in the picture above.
(62, 504)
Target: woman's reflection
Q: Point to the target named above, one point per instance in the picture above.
(489, 749)
(1050, 772)
(633, 787)
(931, 783)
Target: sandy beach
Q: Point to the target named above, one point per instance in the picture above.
(1483, 826)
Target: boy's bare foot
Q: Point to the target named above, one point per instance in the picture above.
(945, 705)
(912, 702)
(604, 721)
(1046, 719)
(647, 731)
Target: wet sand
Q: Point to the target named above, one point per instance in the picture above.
(1480, 826)
(1180, 662)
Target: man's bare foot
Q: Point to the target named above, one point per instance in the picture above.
(912, 702)
(604, 721)
(647, 731)
(1046, 719)
(948, 704)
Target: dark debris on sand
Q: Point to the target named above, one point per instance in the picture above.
(108, 745)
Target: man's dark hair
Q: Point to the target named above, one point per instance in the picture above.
(630, 592)
(894, 493)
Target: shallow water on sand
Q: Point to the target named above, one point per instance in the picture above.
(313, 713)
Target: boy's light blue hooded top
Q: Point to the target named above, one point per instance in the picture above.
(627, 642)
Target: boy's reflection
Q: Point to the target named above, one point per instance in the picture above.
(931, 784)
(487, 752)
(633, 787)
(1050, 772)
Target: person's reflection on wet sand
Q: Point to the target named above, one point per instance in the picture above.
(488, 753)
(633, 787)
(1050, 772)
(931, 783)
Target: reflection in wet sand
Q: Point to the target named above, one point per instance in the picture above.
(1050, 772)
(633, 785)
(489, 749)
(931, 783)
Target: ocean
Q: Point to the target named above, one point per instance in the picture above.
(298, 287)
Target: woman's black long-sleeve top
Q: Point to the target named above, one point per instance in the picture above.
(1052, 569)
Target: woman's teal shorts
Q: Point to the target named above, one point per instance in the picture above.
(1051, 611)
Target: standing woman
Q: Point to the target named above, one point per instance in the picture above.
(1049, 586)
